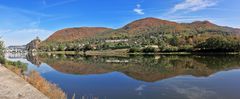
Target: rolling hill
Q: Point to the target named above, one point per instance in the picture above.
(142, 26)
(71, 34)
(172, 36)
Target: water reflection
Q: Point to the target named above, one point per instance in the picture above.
(145, 68)
(142, 77)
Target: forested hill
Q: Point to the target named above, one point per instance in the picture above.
(154, 25)
(151, 32)
(71, 34)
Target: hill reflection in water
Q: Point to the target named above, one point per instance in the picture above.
(145, 68)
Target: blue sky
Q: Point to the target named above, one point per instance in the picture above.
(23, 20)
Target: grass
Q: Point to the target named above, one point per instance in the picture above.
(17, 67)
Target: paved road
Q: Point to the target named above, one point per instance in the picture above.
(14, 87)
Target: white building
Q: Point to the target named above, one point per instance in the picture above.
(116, 41)
(17, 48)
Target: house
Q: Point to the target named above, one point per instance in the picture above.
(153, 46)
(116, 40)
(16, 48)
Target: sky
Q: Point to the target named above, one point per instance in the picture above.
(23, 20)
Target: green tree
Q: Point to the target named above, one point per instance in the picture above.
(174, 41)
(161, 44)
(134, 50)
(2, 58)
(217, 44)
(61, 47)
(149, 50)
(87, 47)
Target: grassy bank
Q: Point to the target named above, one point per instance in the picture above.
(35, 79)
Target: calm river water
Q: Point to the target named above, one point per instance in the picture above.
(140, 77)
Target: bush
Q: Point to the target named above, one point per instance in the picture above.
(134, 50)
(219, 44)
(17, 64)
(149, 50)
(61, 47)
(47, 88)
(2, 60)
(171, 49)
(87, 47)
(187, 48)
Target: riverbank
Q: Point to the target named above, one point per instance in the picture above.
(49, 89)
(14, 87)
(117, 52)
(125, 52)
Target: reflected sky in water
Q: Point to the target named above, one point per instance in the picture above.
(141, 77)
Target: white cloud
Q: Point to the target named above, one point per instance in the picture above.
(138, 10)
(193, 5)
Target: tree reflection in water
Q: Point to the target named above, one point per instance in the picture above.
(148, 68)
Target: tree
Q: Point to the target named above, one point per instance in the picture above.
(134, 50)
(1, 47)
(149, 50)
(61, 47)
(87, 47)
(217, 44)
(161, 44)
(2, 58)
(174, 41)
(105, 46)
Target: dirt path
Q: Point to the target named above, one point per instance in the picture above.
(14, 87)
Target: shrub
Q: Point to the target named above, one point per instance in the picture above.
(186, 48)
(134, 50)
(171, 49)
(87, 47)
(149, 50)
(15, 69)
(47, 88)
(218, 44)
(17, 64)
(2, 60)
(61, 47)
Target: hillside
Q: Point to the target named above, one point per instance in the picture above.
(141, 26)
(167, 35)
(148, 25)
(71, 34)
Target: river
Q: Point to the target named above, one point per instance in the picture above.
(139, 77)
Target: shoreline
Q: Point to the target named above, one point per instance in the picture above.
(33, 79)
(124, 52)
(13, 87)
